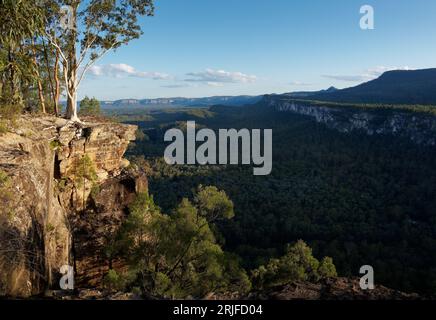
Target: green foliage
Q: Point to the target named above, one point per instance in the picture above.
(356, 198)
(114, 281)
(326, 268)
(213, 204)
(89, 107)
(55, 144)
(95, 190)
(235, 277)
(6, 195)
(176, 255)
(379, 106)
(4, 178)
(84, 170)
(62, 184)
(8, 116)
(3, 127)
(10, 111)
(50, 228)
(298, 263)
(99, 26)
(20, 21)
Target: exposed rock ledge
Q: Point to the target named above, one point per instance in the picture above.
(328, 289)
(420, 128)
(44, 189)
(333, 289)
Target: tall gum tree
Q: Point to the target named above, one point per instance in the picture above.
(20, 22)
(82, 32)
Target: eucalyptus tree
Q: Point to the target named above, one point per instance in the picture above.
(20, 20)
(84, 31)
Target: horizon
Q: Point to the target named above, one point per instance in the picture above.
(231, 49)
(255, 95)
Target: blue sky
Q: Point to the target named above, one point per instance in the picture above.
(195, 48)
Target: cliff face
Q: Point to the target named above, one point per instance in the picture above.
(420, 128)
(53, 176)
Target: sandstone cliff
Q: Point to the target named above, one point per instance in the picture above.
(63, 186)
(418, 127)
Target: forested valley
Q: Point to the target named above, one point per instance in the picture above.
(362, 200)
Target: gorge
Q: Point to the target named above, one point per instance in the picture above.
(419, 127)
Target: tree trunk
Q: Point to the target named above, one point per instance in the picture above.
(72, 72)
(47, 62)
(72, 105)
(11, 74)
(40, 89)
(57, 86)
(41, 95)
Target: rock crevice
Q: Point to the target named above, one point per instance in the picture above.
(45, 194)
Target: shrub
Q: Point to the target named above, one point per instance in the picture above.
(85, 170)
(89, 107)
(55, 144)
(114, 281)
(6, 194)
(8, 116)
(298, 263)
(177, 255)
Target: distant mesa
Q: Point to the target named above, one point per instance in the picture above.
(392, 87)
(412, 87)
(304, 94)
(179, 101)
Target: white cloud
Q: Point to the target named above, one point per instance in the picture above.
(215, 84)
(299, 83)
(124, 70)
(367, 75)
(175, 86)
(216, 77)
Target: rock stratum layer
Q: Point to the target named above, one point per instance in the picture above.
(418, 127)
(63, 187)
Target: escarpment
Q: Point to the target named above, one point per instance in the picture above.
(64, 189)
(418, 127)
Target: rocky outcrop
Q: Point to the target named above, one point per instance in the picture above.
(95, 227)
(103, 145)
(53, 174)
(338, 288)
(332, 289)
(420, 128)
(35, 238)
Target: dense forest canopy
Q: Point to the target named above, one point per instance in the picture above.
(357, 198)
